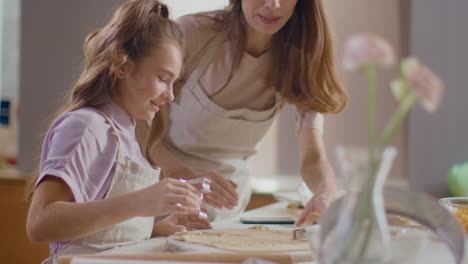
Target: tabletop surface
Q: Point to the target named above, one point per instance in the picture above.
(434, 252)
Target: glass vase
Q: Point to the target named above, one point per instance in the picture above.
(360, 234)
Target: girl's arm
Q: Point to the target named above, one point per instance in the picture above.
(53, 216)
(315, 171)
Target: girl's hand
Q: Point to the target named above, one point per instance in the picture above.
(192, 222)
(169, 196)
(178, 223)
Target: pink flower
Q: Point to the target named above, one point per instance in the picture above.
(428, 86)
(366, 48)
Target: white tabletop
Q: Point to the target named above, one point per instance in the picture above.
(434, 252)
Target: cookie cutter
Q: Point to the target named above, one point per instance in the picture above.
(299, 234)
(201, 214)
(205, 187)
(205, 183)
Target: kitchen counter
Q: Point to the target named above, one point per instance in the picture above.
(433, 253)
(12, 176)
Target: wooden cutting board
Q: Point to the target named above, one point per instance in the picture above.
(174, 244)
(193, 257)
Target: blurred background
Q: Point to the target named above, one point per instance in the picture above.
(41, 56)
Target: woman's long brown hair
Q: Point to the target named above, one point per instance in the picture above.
(135, 29)
(303, 67)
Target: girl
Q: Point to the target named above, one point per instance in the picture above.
(95, 189)
(242, 64)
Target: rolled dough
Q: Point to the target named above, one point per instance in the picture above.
(245, 240)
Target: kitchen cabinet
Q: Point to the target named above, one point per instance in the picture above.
(14, 244)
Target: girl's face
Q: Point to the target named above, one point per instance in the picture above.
(268, 16)
(144, 87)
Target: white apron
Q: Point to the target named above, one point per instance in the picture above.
(128, 177)
(213, 138)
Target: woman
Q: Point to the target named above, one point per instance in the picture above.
(95, 189)
(241, 65)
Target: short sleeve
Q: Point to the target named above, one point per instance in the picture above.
(73, 153)
(309, 120)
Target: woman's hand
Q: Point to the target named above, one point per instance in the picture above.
(168, 196)
(223, 191)
(316, 172)
(317, 204)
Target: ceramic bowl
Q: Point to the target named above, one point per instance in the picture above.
(459, 207)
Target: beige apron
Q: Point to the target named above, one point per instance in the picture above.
(207, 137)
(128, 177)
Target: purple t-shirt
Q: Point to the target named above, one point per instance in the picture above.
(81, 149)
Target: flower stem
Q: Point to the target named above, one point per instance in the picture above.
(372, 130)
(369, 193)
(363, 208)
(397, 119)
(372, 106)
(364, 222)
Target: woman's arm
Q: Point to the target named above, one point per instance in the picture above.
(315, 171)
(223, 193)
(53, 216)
(169, 164)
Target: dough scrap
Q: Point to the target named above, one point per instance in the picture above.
(262, 227)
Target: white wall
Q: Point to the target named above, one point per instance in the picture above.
(9, 47)
(52, 35)
(183, 7)
(383, 18)
(440, 40)
(2, 13)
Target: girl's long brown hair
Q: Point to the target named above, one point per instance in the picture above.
(135, 29)
(303, 67)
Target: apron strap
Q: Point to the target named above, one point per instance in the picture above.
(206, 58)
